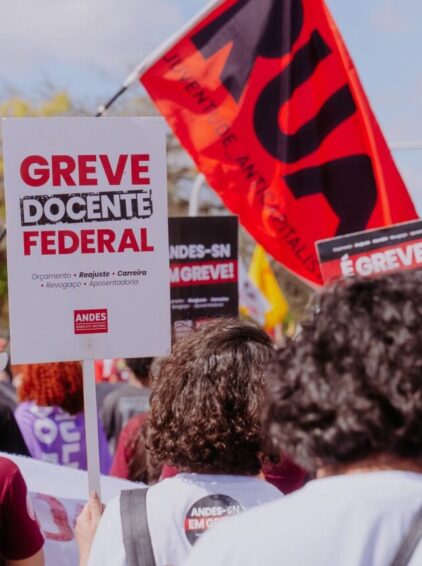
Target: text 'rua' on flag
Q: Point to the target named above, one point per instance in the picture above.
(265, 98)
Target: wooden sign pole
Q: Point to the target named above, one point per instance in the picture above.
(91, 428)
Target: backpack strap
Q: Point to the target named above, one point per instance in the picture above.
(136, 535)
(410, 542)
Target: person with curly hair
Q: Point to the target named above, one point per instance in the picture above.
(344, 401)
(205, 421)
(50, 414)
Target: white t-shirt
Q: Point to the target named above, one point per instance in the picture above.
(350, 520)
(179, 509)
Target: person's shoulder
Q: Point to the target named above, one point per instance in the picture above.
(23, 407)
(108, 547)
(9, 473)
(271, 512)
(111, 399)
(111, 513)
(131, 428)
(187, 485)
(28, 411)
(261, 490)
(258, 513)
(225, 541)
(266, 488)
(7, 466)
(114, 394)
(134, 423)
(179, 488)
(167, 485)
(111, 518)
(113, 504)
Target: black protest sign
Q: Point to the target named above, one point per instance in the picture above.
(204, 269)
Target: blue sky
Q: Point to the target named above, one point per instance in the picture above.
(89, 46)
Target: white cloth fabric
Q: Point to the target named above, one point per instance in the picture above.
(57, 495)
(350, 520)
(178, 510)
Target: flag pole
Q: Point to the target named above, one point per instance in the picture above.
(156, 54)
(104, 107)
(194, 195)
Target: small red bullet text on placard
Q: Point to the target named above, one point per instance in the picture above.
(93, 321)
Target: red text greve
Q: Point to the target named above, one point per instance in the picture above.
(83, 170)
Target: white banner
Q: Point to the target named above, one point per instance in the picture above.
(56, 514)
(88, 265)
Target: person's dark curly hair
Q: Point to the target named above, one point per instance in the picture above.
(350, 386)
(207, 398)
(55, 384)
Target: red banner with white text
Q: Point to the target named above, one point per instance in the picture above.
(265, 98)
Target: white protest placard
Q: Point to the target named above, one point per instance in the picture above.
(87, 238)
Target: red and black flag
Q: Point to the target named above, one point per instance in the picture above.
(264, 96)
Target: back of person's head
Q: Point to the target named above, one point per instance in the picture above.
(349, 387)
(140, 368)
(206, 400)
(55, 384)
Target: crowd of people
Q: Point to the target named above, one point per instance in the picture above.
(309, 454)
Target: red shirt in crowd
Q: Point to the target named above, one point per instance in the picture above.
(20, 536)
(123, 455)
(286, 476)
